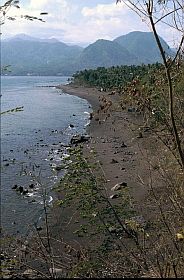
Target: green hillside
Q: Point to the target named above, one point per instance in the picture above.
(104, 53)
(143, 45)
(38, 57)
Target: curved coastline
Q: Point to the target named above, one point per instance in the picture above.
(122, 156)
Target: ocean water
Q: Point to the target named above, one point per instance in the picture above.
(33, 142)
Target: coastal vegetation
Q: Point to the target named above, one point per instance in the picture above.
(115, 78)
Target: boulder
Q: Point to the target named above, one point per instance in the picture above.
(15, 187)
(31, 186)
(20, 189)
(76, 139)
(123, 145)
(114, 161)
(25, 192)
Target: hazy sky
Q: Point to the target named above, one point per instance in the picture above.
(78, 21)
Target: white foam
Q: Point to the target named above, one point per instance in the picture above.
(50, 199)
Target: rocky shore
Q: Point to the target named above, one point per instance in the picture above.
(124, 150)
(122, 144)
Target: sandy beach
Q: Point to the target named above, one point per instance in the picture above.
(123, 154)
(115, 134)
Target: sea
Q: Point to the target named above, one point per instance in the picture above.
(34, 141)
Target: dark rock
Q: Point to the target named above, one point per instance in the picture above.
(76, 139)
(114, 161)
(58, 168)
(71, 125)
(31, 186)
(20, 189)
(7, 164)
(2, 257)
(25, 192)
(15, 187)
(123, 184)
(39, 228)
(11, 150)
(123, 145)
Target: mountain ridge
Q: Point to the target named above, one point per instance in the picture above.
(29, 55)
(144, 45)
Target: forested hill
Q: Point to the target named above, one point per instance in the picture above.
(105, 53)
(33, 56)
(143, 45)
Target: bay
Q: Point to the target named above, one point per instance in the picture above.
(33, 142)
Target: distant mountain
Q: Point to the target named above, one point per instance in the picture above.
(143, 45)
(105, 53)
(25, 37)
(38, 57)
(29, 55)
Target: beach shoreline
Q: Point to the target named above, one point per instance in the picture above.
(122, 156)
(114, 136)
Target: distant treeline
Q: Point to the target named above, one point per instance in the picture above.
(116, 77)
